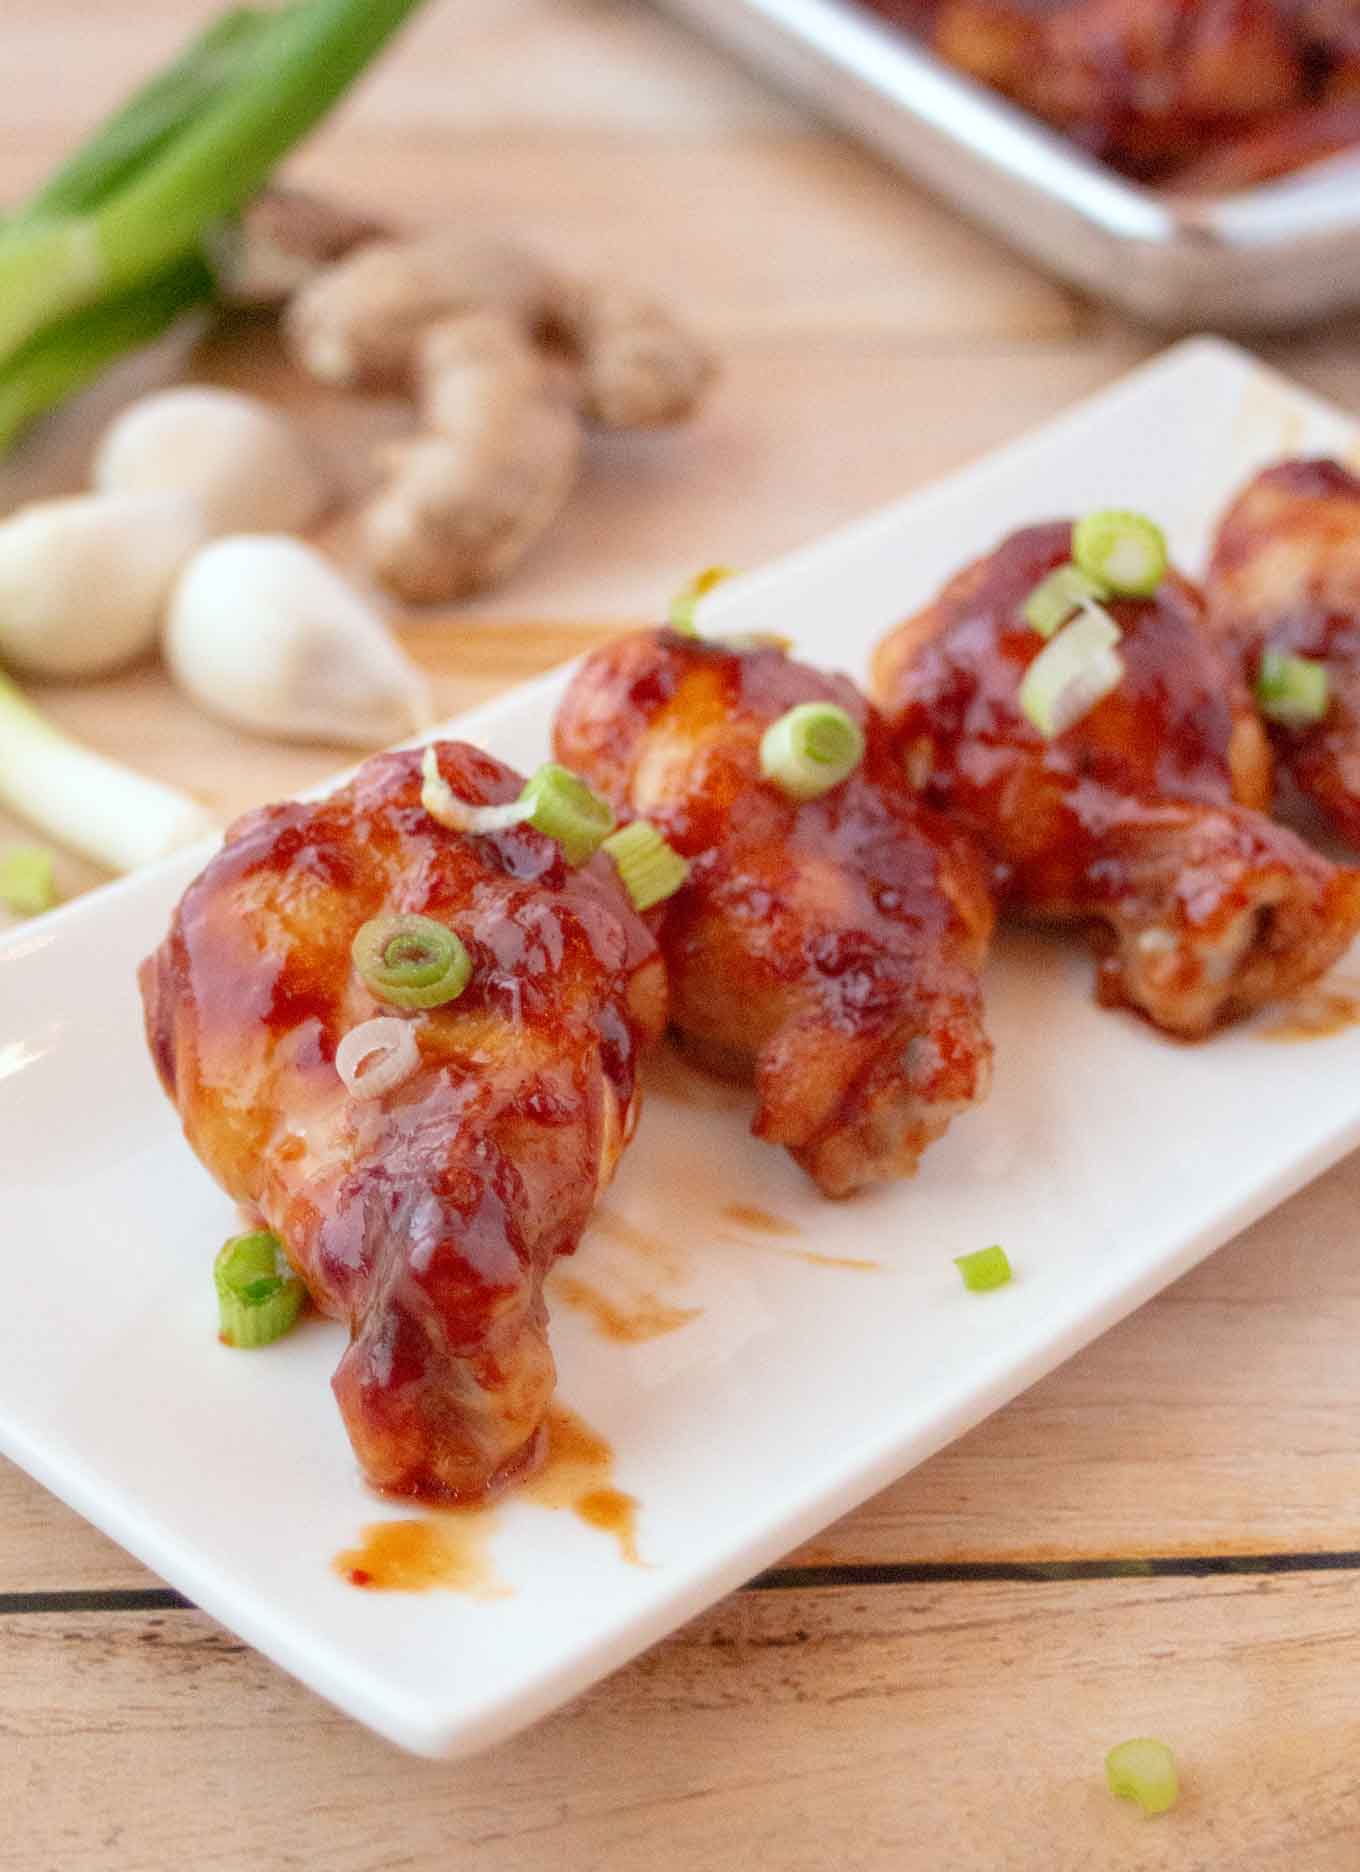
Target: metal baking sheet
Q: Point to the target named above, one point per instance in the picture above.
(1282, 254)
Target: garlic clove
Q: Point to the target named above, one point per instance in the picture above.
(243, 461)
(83, 580)
(265, 633)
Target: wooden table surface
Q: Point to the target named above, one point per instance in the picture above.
(1163, 1538)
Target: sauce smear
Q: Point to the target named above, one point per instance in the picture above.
(448, 1551)
(746, 1215)
(644, 1316)
(577, 1475)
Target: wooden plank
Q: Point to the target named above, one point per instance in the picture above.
(1218, 1420)
(959, 1726)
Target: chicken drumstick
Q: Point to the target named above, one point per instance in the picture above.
(830, 947)
(425, 1217)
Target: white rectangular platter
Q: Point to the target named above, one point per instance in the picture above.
(1108, 1161)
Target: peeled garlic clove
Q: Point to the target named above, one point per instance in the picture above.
(265, 633)
(244, 462)
(83, 581)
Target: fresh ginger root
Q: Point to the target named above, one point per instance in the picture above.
(466, 501)
(281, 241)
(506, 360)
(359, 323)
(638, 368)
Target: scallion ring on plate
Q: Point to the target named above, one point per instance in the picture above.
(563, 806)
(258, 1295)
(1292, 690)
(811, 749)
(686, 600)
(1075, 670)
(1124, 551)
(1059, 597)
(411, 961)
(650, 869)
(984, 1269)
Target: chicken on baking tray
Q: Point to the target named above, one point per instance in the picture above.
(1063, 699)
(403, 1030)
(1202, 93)
(1284, 602)
(829, 936)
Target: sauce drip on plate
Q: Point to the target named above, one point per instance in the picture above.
(450, 1551)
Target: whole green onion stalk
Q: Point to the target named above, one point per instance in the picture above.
(107, 251)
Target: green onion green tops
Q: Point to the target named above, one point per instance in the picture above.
(27, 882)
(1059, 597)
(650, 869)
(1075, 670)
(564, 807)
(1292, 690)
(1124, 551)
(258, 1295)
(686, 600)
(411, 961)
(1143, 1770)
(811, 749)
(984, 1270)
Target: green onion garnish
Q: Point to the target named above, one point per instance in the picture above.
(1060, 596)
(1075, 670)
(28, 884)
(567, 810)
(1292, 690)
(258, 1295)
(1143, 1770)
(411, 961)
(686, 600)
(650, 868)
(1124, 551)
(984, 1270)
(811, 749)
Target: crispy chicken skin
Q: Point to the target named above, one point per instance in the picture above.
(1144, 821)
(1285, 575)
(1159, 87)
(427, 1217)
(829, 949)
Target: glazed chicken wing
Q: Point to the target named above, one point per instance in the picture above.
(1285, 576)
(425, 1217)
(830, 948)
(1143, 820)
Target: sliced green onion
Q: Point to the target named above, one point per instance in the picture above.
(650, 868)
(1060, 596)
(1125, 551)
(460, 815)
(411, 961)
(119, 818)
(564, 807)
(686, 600)
(985, 1269)
(1292, 690)
(1075, 670)
(28, 884)
(1143, 1770)
(51, 266)
(258, 1295)
(811, 749)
